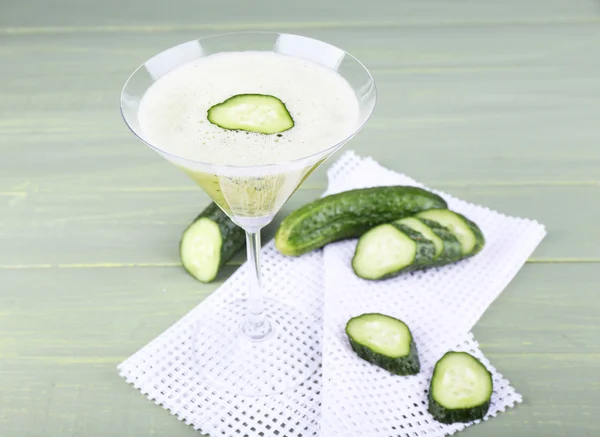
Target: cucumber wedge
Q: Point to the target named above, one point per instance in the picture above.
(348, 215)
(385, 342)
(209, 242)
(460, 389)
(390, 249)
(258, 113)
(468, 233)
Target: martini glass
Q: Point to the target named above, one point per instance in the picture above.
(248, 346)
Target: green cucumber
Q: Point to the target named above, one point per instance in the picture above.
(452, 248)
(348, 215)
(209, 242)
(447, 247)
(460, 389)
(390, 249)
(468, 233)
(258, 113)
(418, 226)
(385, 342)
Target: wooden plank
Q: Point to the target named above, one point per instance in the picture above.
(494, 102)
(450, 109)
(231, 14)
(59, 351)
(140, 227)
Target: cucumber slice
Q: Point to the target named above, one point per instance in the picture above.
(209, 242)
(452, 248)
(418, 226)
(425, 247)
(258, 113)
(348, 215)
(468, 233)
(385, 342)
(460, 389)
(447, 247)
(390, 249)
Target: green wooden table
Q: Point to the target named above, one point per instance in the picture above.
(495, 102)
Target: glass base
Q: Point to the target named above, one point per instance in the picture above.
(227, 359)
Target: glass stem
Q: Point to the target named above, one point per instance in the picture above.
(257, 326)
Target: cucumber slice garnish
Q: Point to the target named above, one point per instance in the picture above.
(385, 342)
(468, 233)
(258, 113)
(209, 242)
(460, 389)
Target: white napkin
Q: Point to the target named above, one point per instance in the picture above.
(440, 306)
(164, 370)
(468, 288)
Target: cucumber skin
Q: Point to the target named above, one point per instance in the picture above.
(462, 415)
(452, 249)
(233, 238)
(479, 237)
(349, 214)
(404, 366)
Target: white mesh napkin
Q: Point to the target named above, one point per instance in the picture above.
(468, 288)
(164, 370)
(439, 305)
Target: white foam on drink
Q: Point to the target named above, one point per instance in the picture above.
(173, 112)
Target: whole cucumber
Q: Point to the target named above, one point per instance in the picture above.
(349, 214)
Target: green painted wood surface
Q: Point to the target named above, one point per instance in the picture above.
(495, 102)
